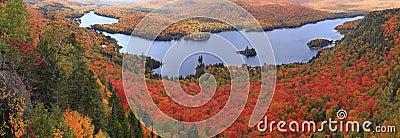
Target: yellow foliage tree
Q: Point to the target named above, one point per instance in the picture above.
(13, 108)
(80, 124)
(100, 135)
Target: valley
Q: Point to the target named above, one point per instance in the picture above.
(60, 77)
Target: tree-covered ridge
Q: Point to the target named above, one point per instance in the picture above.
(71, 96)
(349, 5)
(62, 64)
(348, 26)
(354, 76)
(359, 75)
(62, 8)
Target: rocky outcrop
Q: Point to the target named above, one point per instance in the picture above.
(13, 83)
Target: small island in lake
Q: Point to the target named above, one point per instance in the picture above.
(248, 52)
(319, 43)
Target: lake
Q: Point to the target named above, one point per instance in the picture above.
(288, 44)
(91, 18)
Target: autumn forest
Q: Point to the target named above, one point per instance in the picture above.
(61, 80)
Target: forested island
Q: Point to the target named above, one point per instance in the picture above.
(248, 52)
(319, 43)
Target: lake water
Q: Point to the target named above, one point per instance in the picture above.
(289, 45)
(91, 18)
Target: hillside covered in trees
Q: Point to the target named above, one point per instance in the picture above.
(359, 75)
(65, 84)
(69, 85)
(348, 5)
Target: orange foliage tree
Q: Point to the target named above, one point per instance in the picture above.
(81, 125)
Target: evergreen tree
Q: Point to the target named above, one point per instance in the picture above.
(45, 123)
(14, 21)
(41, 123)
(117, 116)
(136, 126)
(14, 27)
(120, 124)
(83, 89)
(48, 80)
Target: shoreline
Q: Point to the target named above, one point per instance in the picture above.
(219, 31)
(99, 28)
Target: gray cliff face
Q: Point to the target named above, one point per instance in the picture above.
(14, 84)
